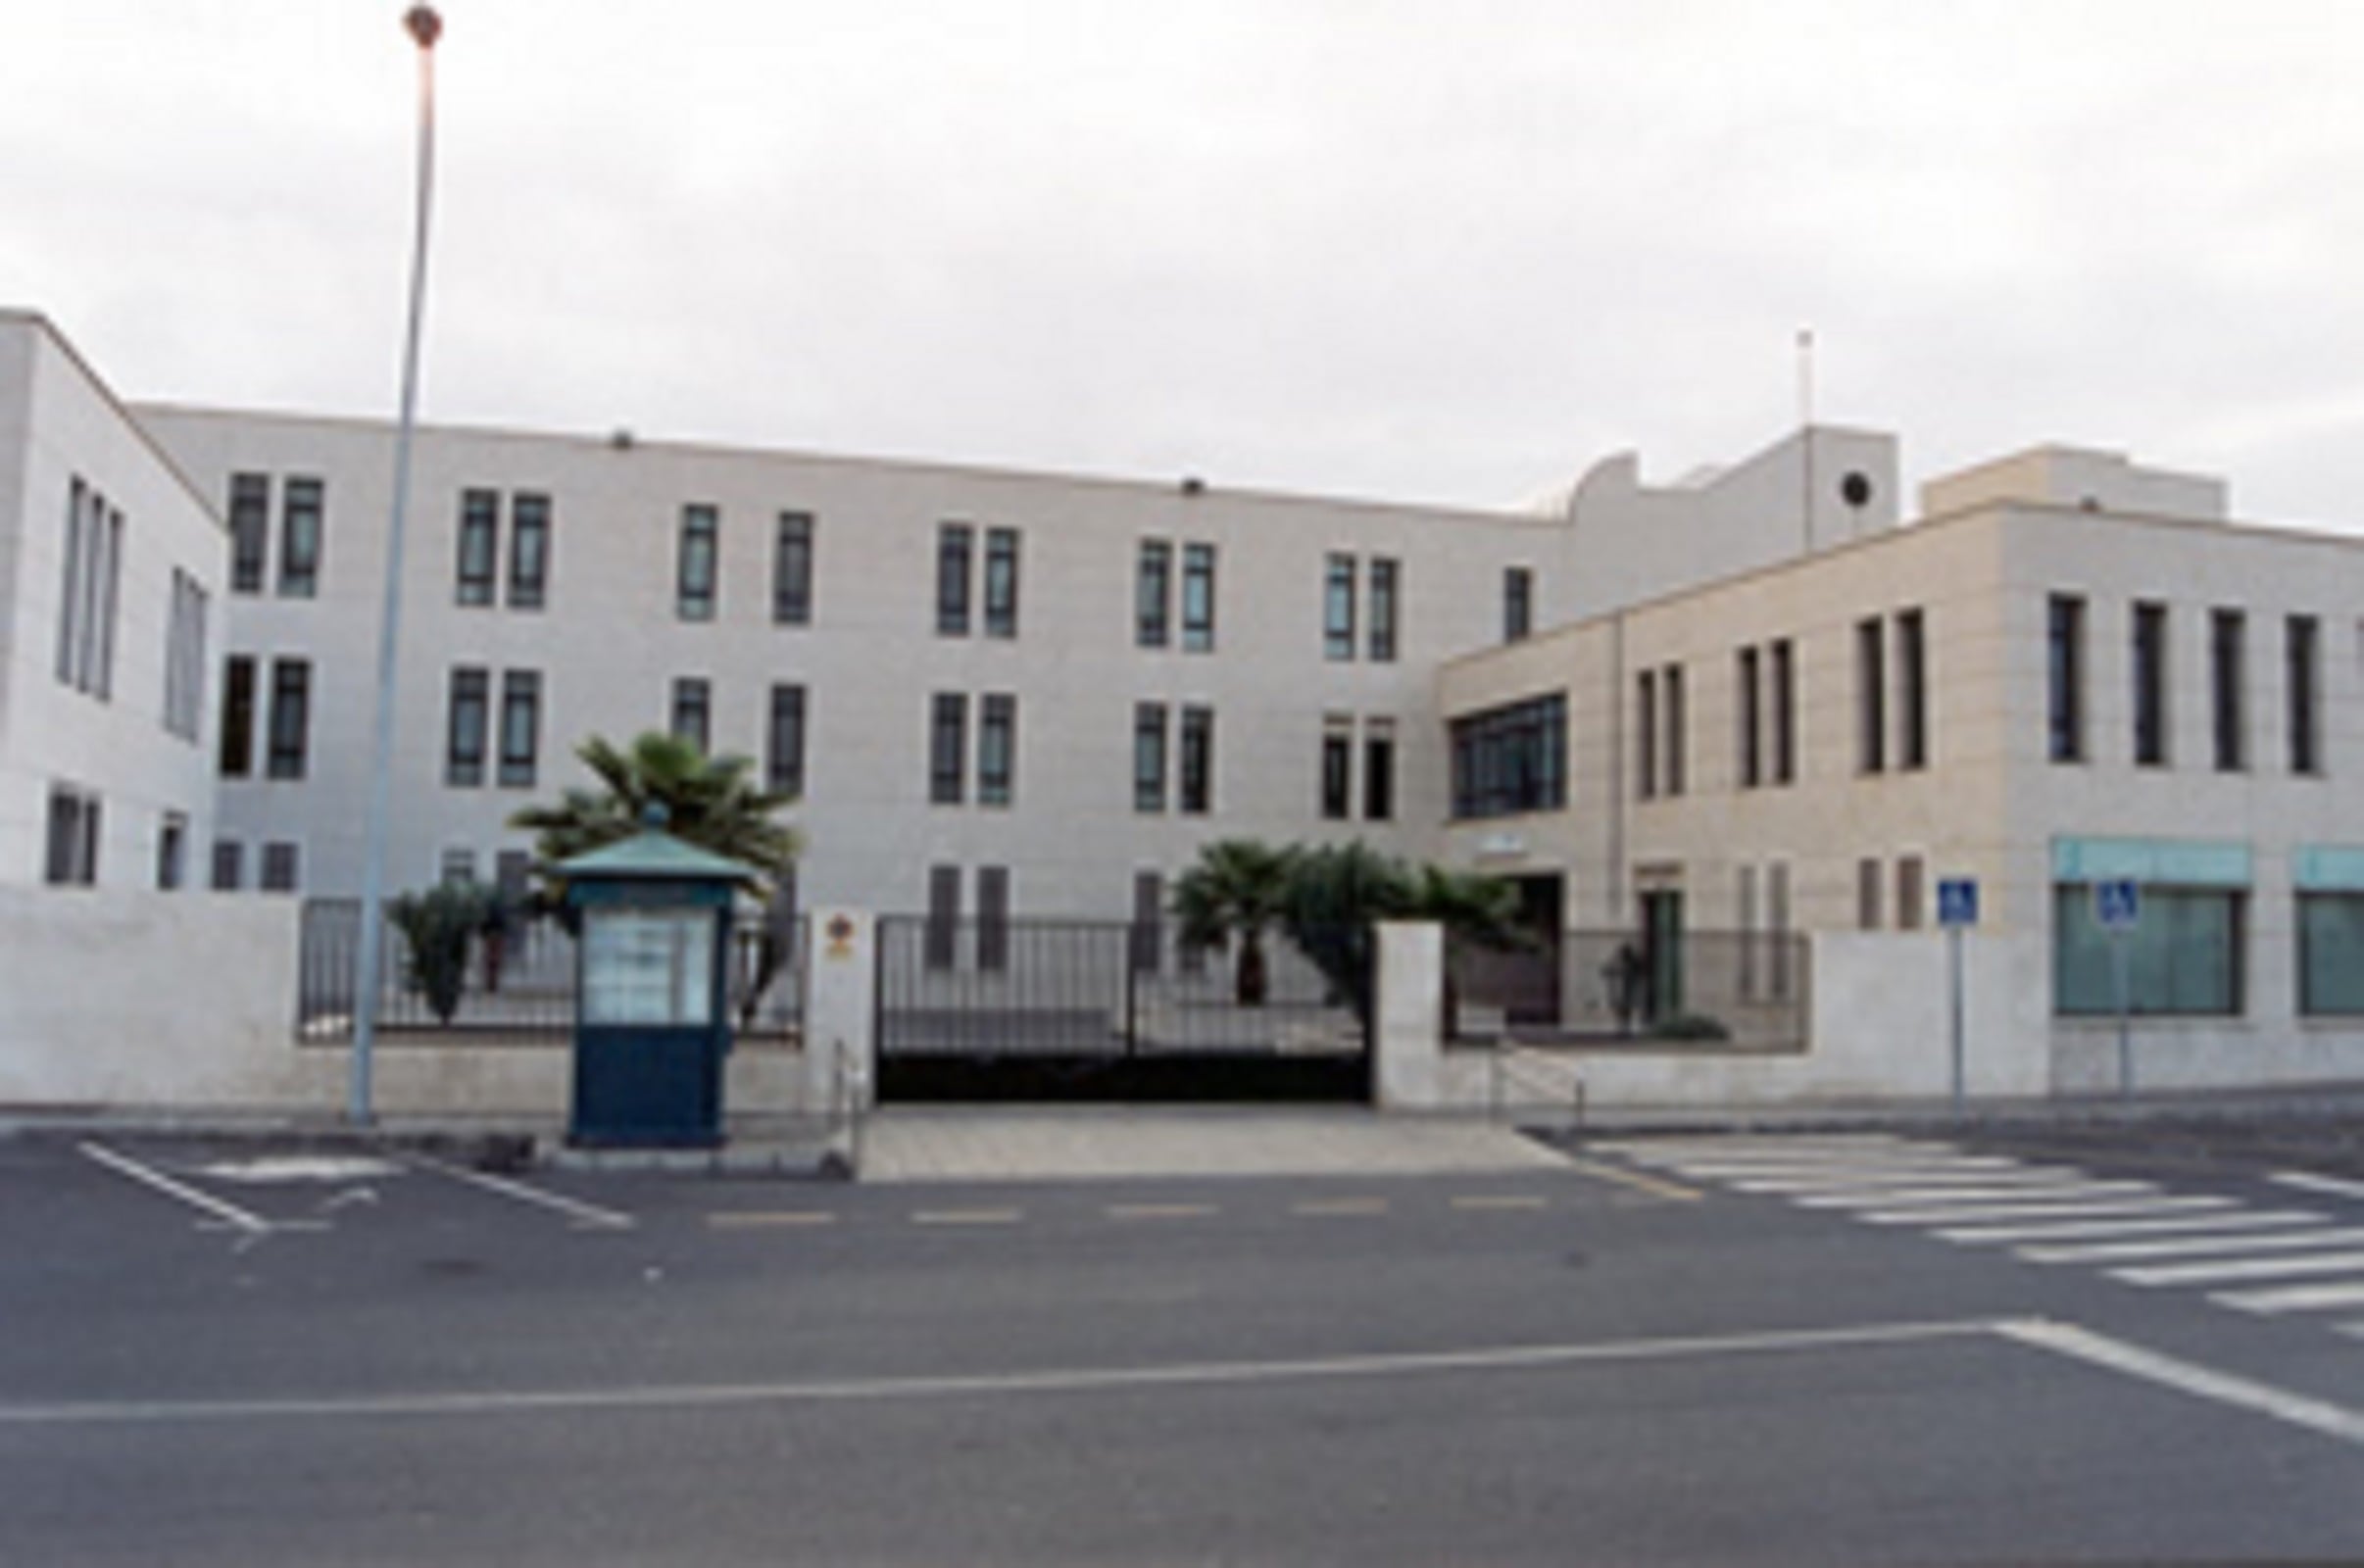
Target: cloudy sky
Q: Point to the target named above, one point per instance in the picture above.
(1445, 252)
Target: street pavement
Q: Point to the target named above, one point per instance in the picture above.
(1760, 1348)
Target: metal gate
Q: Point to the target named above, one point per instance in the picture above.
(1102, 1010)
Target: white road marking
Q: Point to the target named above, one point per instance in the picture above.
(2186, 1377)
(2308, 1182)
(2272, 1241)
(300, 1168)
(586, 1216)
(768, 1218)
(2231, 1271)
(1131, 1211)
(2106, 1208)
(967, 1216)
(230, 1214)
(1050, 1381)
(2078, 1230)
(2294, 1299)
(1485, 1201)
(1912, 1197)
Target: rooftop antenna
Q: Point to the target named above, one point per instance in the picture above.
(1805, 426)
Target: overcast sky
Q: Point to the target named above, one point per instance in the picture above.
(1449, 252)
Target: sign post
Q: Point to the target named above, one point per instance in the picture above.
(2117, 910)
(1957, 911)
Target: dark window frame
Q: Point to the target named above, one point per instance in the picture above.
(288, 735)
(468, 705)
(529, 535)
(792, 546)
(1197, 598)
(303, 529)
(479, 566)
(1000, 591)
(698, 563)
(997, 749)
(955, 546)
(948, 749)
(520, 728)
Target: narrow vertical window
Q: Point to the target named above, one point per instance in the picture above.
(1867, 895)
(1645, 735)
(1518, 603)
(1912, 690)
(108, 526)
(1744, 922)
(2303, 642)
(72, 616)
(1670, 690)
(300, 523)
(1197, 598)
(528, 551)
(791, 571)
(692, 716)
(2150, 670)
(2064, 637)
(458, 867)
(520, 727)
(172, 852)
(290, 716)
(1777, 929)
(954, 542)
(479, 544)
(1910, 897)
(784, 741)
(1785, 713)
(250, 530)
(941, 947)
(1748, 740)
(228, 873)
(465, 726)
(948, 749)
(1198, 761)
(71, 851)
(1152, 593)
(993, 917)
(1338, 607)
(1338, 768)
(997, 749)
(696, 561)
(1386, 576)
(237, 717)
(1379, 770)
(1871, 699)
(184, 659)
(1149, 756)
(1001, 582)
(2228, 631)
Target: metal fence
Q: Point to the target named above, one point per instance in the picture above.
(992, 1008)
(521, 982)
(1733, 990)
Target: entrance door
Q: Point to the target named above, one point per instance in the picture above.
(1541, 917)
(1661, 956)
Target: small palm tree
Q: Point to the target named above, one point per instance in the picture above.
(1238, 889)
(1476, 910)
(1337, 894)
(707, 800)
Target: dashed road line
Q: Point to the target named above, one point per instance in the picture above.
(1158, 1211)
(147, 1176)
(967, 1216)
(770, 1220)
(1499, 1201)
(1337, 1207)
(585, 1217)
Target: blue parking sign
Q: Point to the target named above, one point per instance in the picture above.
(2117, 903)
(1957, 900)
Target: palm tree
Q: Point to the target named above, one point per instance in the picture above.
(1476, 910)
(707, 801)
(1237, 890)
(1337, 894)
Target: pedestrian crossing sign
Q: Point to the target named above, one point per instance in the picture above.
(2117, 903)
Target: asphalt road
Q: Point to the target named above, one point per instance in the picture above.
(1672, 1353)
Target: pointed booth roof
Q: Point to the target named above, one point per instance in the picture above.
(653, 855)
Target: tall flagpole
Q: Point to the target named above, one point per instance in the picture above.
(424, 28)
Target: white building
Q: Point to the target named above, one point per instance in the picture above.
(110, 576)
(996, 691)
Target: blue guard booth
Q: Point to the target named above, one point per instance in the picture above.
(652, 1015)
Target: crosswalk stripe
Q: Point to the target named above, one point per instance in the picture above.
(2106, 1208)
(1931, 1177)
(2307, 1181)
(1917, 1197)
(2294, 1298)
(2231, 1271)
(2084, 1229)
(2191, 1245)
(1781, 1145)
